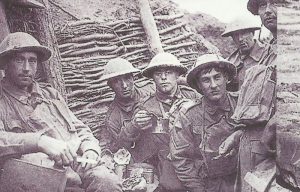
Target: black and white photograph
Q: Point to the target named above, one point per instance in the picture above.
(149, 96)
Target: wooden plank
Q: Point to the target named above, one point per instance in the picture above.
(28, 3)
(4, 28)
(150, 27)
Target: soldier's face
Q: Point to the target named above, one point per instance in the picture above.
(243, 40)
(21, 69)
(268, 14)
(122, 86)
(165, 80)
(212, 83)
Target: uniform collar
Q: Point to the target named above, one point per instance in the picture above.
(212, 108)
(255, 53)
(168, 99)
(128, 105)
(273, 45)
(25, 97)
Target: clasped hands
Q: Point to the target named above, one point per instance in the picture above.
(65, 153)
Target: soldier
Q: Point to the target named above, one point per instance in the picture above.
(248, 52)
(119, 75)
(35, 118)
(201, 128)
(158, 111)
(256, 105)
(267, 11)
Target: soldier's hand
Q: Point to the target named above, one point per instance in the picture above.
(142, 119)
(57, 150)
(93, 157)
(230, 142)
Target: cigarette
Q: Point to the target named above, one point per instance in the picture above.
(84, 160)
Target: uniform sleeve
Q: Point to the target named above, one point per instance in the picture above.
(16, 144)
(88, 140)
(182, 153)
(119, 133)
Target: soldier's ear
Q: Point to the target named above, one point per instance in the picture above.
(109, 83)
(4, 66)
(226, 76)
(198, 85)
(177, 74)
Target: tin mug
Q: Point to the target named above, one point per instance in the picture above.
(161, 125)
(120, 170)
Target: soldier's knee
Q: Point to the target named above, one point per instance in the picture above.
(101, 179)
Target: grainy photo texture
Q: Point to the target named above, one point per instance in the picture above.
(149, 96)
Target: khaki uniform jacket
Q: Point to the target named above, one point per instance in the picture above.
(243, 63)
(195, 140)
(118, 121)
(24, 117)
(252, 151)
(159, 104)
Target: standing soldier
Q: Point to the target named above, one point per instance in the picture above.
(267, 11)
(158, 112)
(249, 51)
(256, 105)
(119, 75)
(200, 129)
(35, 118)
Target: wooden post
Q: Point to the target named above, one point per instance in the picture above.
(52, 68)
(150, 27)
(4, 28)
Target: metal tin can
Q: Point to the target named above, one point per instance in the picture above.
(148, 175)
(120, 170)
(148, 171)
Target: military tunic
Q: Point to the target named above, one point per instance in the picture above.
(159, 104)
(118, 121)
(24, 117)
(252, 151)
(195, 141)
(244, 62)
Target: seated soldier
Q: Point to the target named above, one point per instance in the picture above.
(201, 128)
(119, 75)
(153, 119)
(35, 118)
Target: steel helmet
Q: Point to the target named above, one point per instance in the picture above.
(253, 6)
(163, 60)
(117, 67)
(239, 25)
(209, 60)
(20, 41)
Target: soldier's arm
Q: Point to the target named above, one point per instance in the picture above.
(16, 144)
(182, 154)
(117, 137)
(88, 140)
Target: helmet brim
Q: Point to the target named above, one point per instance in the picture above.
(148, 72)
(191, 76)
(230, 32)
(118, 74)
(44, 53)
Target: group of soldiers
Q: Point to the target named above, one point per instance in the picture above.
(191, 134)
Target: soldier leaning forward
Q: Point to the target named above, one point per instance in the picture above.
(200, 130)
(119, 74)
(35, 121)
(248, 53)
(158, 112)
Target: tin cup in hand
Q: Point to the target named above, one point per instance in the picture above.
(120, 170)
(161, 125)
